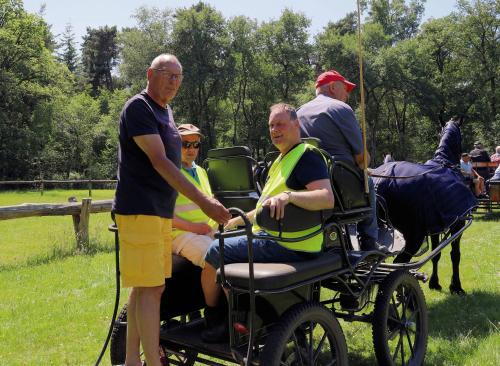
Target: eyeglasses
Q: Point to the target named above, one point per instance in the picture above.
(171, 76)
(188, 145)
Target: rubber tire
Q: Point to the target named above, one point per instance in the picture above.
(118, 343)
(277, 339)
(381, 316)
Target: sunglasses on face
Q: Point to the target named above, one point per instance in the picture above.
(194, 145)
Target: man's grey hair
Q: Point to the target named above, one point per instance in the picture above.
(497, 149)
(164, 58)
(323, 89)
(284, 107)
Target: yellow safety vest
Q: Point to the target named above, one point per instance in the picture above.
(187, 209)
(280, 170)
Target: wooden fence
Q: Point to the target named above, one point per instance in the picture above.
(40, 183)
(80, 211)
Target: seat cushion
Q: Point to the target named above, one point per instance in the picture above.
(274, 276)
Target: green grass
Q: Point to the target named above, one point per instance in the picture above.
(35, 240)
(55, 304)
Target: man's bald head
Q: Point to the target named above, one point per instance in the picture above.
(164, 78)
(162, 60)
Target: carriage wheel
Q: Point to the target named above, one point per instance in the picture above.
(400, 321)
(118, 345)
(307, 334)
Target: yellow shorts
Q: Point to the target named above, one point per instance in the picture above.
(145, 250)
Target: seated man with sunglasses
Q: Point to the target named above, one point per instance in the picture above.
(192, 230)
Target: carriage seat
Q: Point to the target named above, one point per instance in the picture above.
(276, 276)
(230, 173)
(349, 190)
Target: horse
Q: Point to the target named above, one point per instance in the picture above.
(426, 199)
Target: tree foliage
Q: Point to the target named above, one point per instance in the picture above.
(60, 120)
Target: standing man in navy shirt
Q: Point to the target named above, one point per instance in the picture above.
(148, 181)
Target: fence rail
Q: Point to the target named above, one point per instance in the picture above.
(80, 211)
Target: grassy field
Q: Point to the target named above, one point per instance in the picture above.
(55, 303)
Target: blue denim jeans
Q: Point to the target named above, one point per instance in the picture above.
(264, 251)
(368, 228)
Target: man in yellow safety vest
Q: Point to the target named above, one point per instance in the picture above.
(192, 229)
(299, 175)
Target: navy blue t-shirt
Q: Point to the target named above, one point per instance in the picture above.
(141, 190)
(310, 167)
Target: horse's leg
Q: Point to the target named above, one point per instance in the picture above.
(456, 286)
(434, 281)
(413, 243)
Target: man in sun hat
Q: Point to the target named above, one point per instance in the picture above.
(192, 229)
(330, 119)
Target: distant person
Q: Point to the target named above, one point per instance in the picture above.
(480, 155)
(148, 181)
(470, 175)
(496, 156)
(329, 118)
(496, 175)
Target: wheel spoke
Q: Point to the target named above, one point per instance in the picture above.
(395, 355)
(409, 343)
(413, 315)
(408, 299)
(403, 300)
(318, 350)
(297, 348)
(395, 309)
(310, 353)
(402, 347)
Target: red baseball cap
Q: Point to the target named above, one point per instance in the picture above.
(332, 75)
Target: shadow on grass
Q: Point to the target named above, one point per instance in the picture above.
(487, 216)
(361, 360)
(463, 322)
(59, 253)
(474, 314)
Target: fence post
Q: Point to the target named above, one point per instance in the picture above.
(81, 223)
(76, 218)
(90, 187)
(83, 227)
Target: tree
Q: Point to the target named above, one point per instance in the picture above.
(200, 41)
(399, 20)
(67, 50)
(286, 50)
(141, 44)
(29, 78)
(100, 56)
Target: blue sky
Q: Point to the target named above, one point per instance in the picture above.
(94, 13)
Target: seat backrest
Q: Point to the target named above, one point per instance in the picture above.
(348, 186)
(230, 173)
(230, 169)
(295, 219)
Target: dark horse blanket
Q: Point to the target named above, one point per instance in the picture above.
(427, 198)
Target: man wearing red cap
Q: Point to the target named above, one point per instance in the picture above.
(330, 119)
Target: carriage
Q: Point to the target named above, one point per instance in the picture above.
(287, 313)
